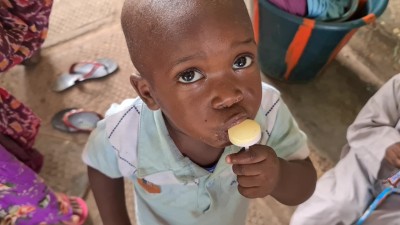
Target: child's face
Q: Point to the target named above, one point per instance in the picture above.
(205, 78)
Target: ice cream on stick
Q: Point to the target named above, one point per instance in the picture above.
(245, 134)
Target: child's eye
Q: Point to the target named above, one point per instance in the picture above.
(242, 62)
(190, 76)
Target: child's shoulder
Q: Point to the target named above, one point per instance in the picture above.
(269, 89)
(123, 118)
(112, 145)
(124, 106)
(270, 97)
(269, 92)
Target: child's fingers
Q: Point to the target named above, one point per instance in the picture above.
(248, 169)
(250, 192)
(396, 163)
(255, 154)
(397, 157)
(250, 181)
(396, 151)
(393, 158)
(396, 146)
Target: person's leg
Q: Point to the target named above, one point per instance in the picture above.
(18, 129)
(25, 199)
(341, 194)
(77, 205)
(388, 212)
(33, 60)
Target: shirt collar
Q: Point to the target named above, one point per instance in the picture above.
(156, 150)
(152, 150)
(155, 143)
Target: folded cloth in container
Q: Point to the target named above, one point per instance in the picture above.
(295, 7)
(327, 9)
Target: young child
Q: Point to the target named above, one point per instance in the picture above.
(371, 156)
(197, 76)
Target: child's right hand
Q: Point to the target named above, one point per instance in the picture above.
(393, 155)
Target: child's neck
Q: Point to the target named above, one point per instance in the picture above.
(202, 154)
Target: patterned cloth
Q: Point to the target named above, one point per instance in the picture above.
(17, 120)
(20, 124)
(24, 197)
(23, 28)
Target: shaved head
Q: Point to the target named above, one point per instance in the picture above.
(197, 63)
(148, 24)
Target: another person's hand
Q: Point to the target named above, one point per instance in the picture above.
(257, 170)
(393, 155)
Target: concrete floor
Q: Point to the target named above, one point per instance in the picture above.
(377, 46)
(324, 108)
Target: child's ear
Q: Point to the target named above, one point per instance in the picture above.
(142, 88)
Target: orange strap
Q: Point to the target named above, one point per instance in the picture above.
(256, 21)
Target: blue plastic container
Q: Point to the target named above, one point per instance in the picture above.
(296, 49)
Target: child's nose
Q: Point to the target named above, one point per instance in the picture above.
(226, 95)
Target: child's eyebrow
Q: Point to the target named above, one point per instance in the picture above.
(190, 57)
(247, 41)
(187, 58)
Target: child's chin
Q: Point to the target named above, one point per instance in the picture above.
(223, 143)
(220, 140)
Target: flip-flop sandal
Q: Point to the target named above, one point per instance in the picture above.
(74, 120)
(82, 71)
(84, 214)
(82, 205)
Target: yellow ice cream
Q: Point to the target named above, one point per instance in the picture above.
(245, 134)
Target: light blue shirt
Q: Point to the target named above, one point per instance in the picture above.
(133, 142)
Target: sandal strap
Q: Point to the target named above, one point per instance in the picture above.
(83, 206)
(66, 118)
(73, 112)
(95, 66)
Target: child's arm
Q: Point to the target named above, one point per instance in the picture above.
(260, 173)
(110, 198)
(375, 129)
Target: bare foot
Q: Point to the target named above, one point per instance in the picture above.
(77, 211)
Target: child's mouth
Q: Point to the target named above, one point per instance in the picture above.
(235, 120)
